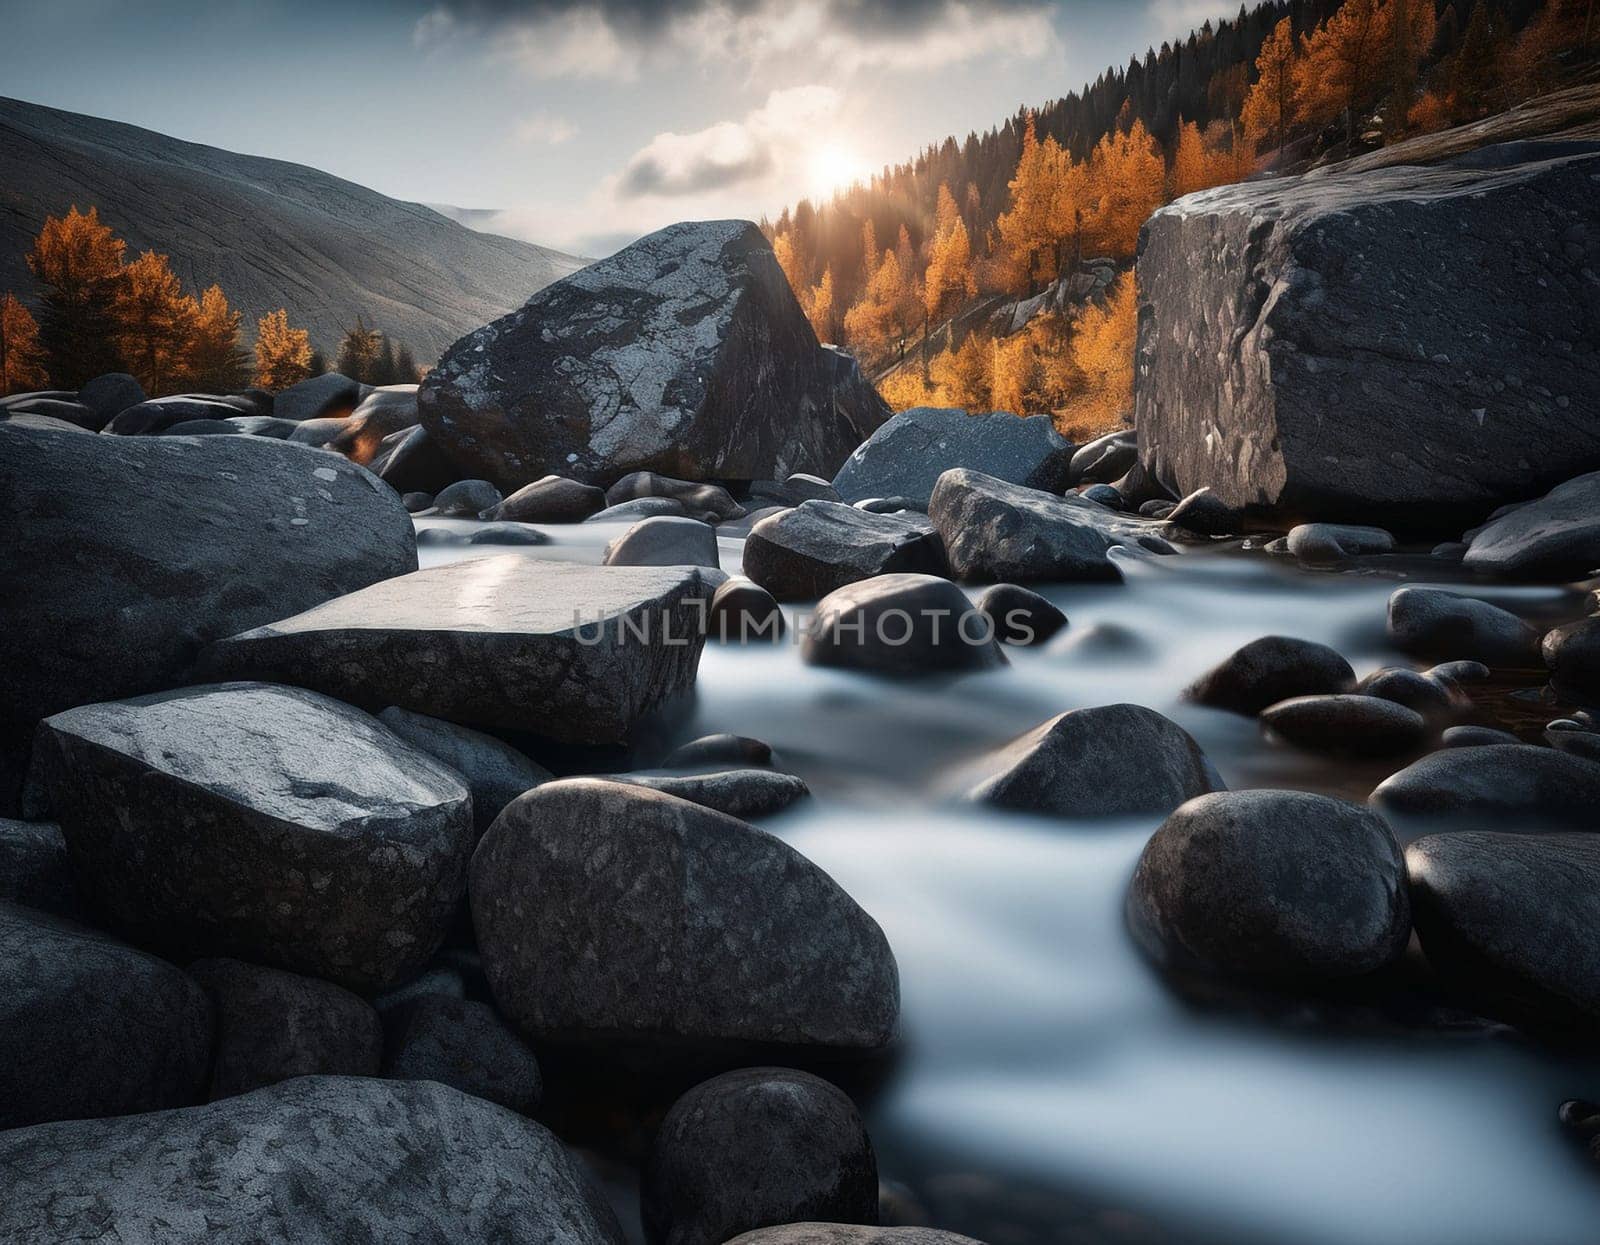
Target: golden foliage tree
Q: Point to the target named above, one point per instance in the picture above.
(960, 377)
(1268, 109)
(1102, 352)
(155, 324)
(949, 280)
(22, 362)
(887, 310)
(78, 261)
(1342, 63)
(792, 262)
(217, 363)
(1129, 175)
(1560, 26)
(283, 354)
(1200, 162)
(822, 309)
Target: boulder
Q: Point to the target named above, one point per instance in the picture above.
(610, 913)
(1511, 920)
(1475, 737)
(753, 1149)
(318, 433)
(203, 428)
(820, 546)
(568, 652)
(263, 426)
(685, 353)
(799, 487)
(907, 455)
(273, 1025)
(743, 613)
(495, 772)
(209, 536)
(736, 792)
(1273, 668)
(1572, 655)
(710, 502)
(521, 534)
(412, 462)
(1105, 459)
(34, 868)
(413, 502)
(994, 531)
(1437, 700)
(462, 1044)
(24, 420)
(1350, 725)
(553, 499)
(665, 541)
(719, 752)
(638, 508)
(318, 397)
(466, 499)
(1427, 622)
(1110, 761)
(1556, 537)
(1486, 786)
(1576, 738)
(317, 1159)
(745, 523)
(382, 413)
(160, 414)
(1019, 615)
(1366, 344)
(890, 505)
(901, 625)
(109, 395)
(90, 1027)
(849, 1234)
(1106, 495)
(1271, 885)
(57, 409)
(1326, 543)
(261, 822)
(1203, 513)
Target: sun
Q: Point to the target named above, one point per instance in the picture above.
(833, 167)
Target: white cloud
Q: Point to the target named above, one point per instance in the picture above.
(545, 129)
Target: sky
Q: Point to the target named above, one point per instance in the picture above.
(581, 123)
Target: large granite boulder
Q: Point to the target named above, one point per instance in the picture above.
(318, 397)
(262, 822)
(1407, 346)
(609, 912)
(568, 652)
(313, 1160)
(90, 1026)
(685, 353)
(123, 555)
(818, 547)
(906, 457)
(1556, 536)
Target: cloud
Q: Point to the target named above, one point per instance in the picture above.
(544, 128)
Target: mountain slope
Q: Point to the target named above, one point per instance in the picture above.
(270, 233)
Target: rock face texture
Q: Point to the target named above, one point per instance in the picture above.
(820, 546)
(685, 353)
(205, 536)
(1407, 346)
(262, 822)
(318, 1159)
(569, 652)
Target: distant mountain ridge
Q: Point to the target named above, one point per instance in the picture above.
(271, 233)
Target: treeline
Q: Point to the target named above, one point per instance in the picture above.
(99, 312)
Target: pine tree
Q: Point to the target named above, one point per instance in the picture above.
(1129, 175)
(1269, 108)
(383, 367)
(358, 350)
(821, 308)
(22, 360)
(405, 366)
(155, 324)
(1339, 68)
(949, 281)
(283, 354)
(217, 363)
(79, 263)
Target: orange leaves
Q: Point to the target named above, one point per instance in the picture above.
(283, 354)
(949, 280)
(21, 355)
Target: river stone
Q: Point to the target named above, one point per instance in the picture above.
(495, 772)
(820, 546)
(568, 652)
(744, 613)
(906, 457)
(160, 414)
(412, 462)
(1019, 615)
(1106, 458)
(1203, 513)
(317, 1159)
(553, 499)
(1276, 885)
(273, 1025)
(520, 534)
(686, 352)
(1511, 920)
(710, 502)
(1366, 344)
(901, 625)
(1427, 622)
(665, 541)
(210, 535)
(90, 1027)
(109, 395)
(317, 397)
(1475, 737)
(1572, 654)
(752, 1149)
(1325, 543)
(638, 508)
(466, 499)
(736, 792)
(1437, 700)
(1110, 761)
(1556, 537)
(1484, 787)
(849, 1234)
(1351, 725)
(608, 912)
(719, 752)
(34, 868)
(994, 531)
(462, 1044)
(413, 502)
(1273, 668)
(263, 822)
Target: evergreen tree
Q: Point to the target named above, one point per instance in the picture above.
(358, 351)
(317, 364)
(79, 263)
(383, 367)
(22, 358)
(405, 366)
(217, 362)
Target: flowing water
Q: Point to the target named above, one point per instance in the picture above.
(1052, 1088)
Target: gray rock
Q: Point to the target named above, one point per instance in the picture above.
(90, 1027)
(273, 1025)
(753, 1149)
(797, 488)
(411, 461)
(414, 502)
(745, 523)
(906, 457)
(522, 534)
(160, 414)
(466, 499)
(1572, 655)
(1019, 615)
(1109, 761)
(890, 505)
(1440, 625)
(1104, 642)
(1475, 737)
(1271, 885)
(1488, 786)
(848, 1234)
(719, 752)
(665, 541)
(381, 414)
(736, 792)
(1353, 725)
(1106, 458)
(1449, 551)
(1573, 738)
(34, 868)
(733, 941)
(553, 499)
(1106, 495)
(462, 1044)
(685, 352)
(1554, 537)
(568, 652)
(743, 613)
(1157, 508)
(1203, 513)
(109, 395)
(317, 1159)
(1511, 921)
(901, 625)
(1273, 668)
(429, 536)
(317, 397)
(261, 822)
(638, 508)
(710, 502)
(318, 433)
(994, 531)
(1437, 700)
(57, 409)
(1459, 674)
(495, 772)
(203, 428)
(1303, 340)
(24, 421)
(1324, 543)
(805, 553)
(211, 536)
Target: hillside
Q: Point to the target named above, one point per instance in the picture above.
(271, 233)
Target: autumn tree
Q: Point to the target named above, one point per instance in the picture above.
(155, 324)
(1128, 174)
(78, 262)
(22, 359)
(217, 362)
(1024, 226)
(960, 377)
(1268, 109)
(822, 308)
(787, 249)
(1560, 26)
(283, 354)
(358, 350)
(1102, 352)
(1340, 64)
(949, 280)
(1409, 29)
(1472, 70)
(1199, 161)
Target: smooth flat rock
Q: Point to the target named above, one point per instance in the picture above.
(552, 499)
(805, 553)
(904, 625)
(1321, 544)
(568, 652)
(665, 541)
(1429, 622)
(1348, 725)
(1273, 668)
(737, 792)
(1555, 537)
(709, 502)
(1485, 787)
